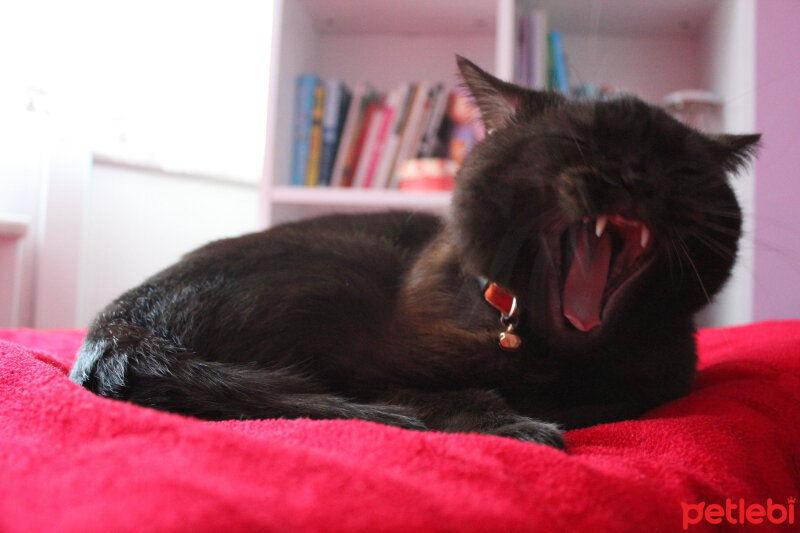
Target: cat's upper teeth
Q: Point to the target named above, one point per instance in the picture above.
(645, 236)
(600, 227)
(627, 226)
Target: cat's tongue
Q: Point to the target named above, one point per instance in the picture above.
(586, 279)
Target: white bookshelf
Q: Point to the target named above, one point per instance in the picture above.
(648, 47)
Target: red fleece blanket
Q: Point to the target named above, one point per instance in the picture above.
(724, 456)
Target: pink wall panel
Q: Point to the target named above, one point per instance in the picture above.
(777, 233)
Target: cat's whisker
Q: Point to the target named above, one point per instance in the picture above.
(719, 228)
(674, 247)
(550, 256)
(578, 146)
(715, 247)
(670, 260)
(694, 267)
(720, 212)
(585, 200)
(508, 249)
(715, 242)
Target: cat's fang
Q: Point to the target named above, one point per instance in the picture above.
(600, 227)
(645, 239)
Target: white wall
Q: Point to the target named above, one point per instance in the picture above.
(776, 283)
(730, 73)
(138, 222)
(626, 62)
(98, 229)
(178, 85)
(24, 148)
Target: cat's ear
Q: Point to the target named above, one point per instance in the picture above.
(735, 151)
(501, 102)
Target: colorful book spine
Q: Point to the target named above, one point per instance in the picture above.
(361, 140)
(374, 155)
(343, 165)
(337, 100)
(373, 123)
(430, 137)
(304, 107)
(315, 149)
(391, 144)
(412, 131)
(559, 80)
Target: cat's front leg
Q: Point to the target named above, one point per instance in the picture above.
(477, 411)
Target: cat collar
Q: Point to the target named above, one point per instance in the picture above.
(506, 303)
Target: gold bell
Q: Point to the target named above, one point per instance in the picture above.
(509, 341)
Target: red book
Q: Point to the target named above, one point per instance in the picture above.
(380, 142)
(355, 154)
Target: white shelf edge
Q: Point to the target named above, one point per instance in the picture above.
(132, 163)
(311, 196)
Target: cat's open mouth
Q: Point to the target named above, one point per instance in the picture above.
(599, 257)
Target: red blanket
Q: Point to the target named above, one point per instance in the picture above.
(726, 455)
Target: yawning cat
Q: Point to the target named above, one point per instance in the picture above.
(559, 292)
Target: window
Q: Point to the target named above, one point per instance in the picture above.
(175, 84)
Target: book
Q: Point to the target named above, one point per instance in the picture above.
(304, 105)
(315, 143)
(522, 37)
(532, 48)
(388, 153)
(360, 139)
(539, 49)
(412, 130)
(363, 95)
(374, 152)
(559, 79)
(430, 138)
(374, 123)
(337, 100)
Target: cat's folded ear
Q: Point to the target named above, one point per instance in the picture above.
(735, 151)
(500, 102)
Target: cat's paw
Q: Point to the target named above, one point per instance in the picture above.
(530, 430)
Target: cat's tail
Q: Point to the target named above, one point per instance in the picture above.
(129, 363)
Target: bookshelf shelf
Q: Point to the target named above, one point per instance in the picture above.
(359, 198)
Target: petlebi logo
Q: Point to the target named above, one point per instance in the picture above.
(739, 512)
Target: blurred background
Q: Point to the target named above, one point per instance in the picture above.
(133, 132)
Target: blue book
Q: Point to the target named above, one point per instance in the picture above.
(304, 107)
(337, 100)
(559, 78)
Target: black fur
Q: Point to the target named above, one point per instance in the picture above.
(379, 317)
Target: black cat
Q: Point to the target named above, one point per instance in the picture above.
(558, 293)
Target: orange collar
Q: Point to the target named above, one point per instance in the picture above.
(499, 298)
(506, 303)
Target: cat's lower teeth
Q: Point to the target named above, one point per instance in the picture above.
(645, 239)
(600, 226)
